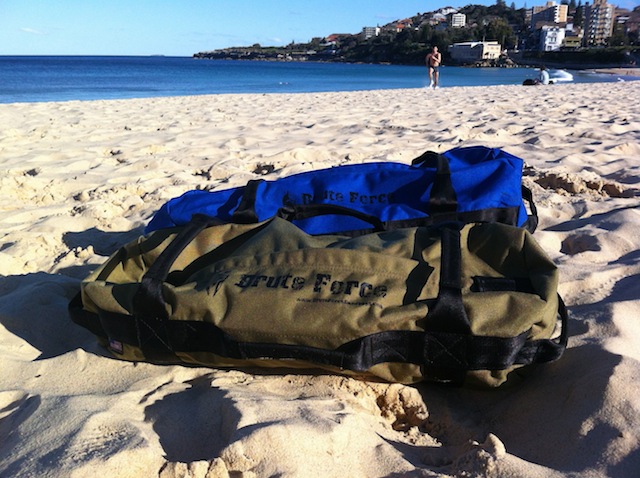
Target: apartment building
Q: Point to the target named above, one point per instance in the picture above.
(458, 20)
(551, 12)
(370, 32)
(598, 22)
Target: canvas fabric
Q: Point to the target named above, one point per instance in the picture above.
(456, 302)
(471, 184)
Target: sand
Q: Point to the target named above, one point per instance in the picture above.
(79, 179)
(629, 71)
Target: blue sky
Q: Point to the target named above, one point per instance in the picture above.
(184, 27)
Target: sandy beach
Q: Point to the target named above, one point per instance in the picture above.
(80, 179)
(630, 71)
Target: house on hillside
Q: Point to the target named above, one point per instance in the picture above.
(458, 20)
(402, 24)
(472, 51)
(632, 23)
(572, 37)
(370, 32)
(551, 37)
(334, 38)
(437, 19)
(447, 10)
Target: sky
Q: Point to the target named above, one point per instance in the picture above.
(185, 27)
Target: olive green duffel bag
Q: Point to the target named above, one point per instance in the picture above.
(450, 303)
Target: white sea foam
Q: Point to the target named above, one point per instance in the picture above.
(561, 75)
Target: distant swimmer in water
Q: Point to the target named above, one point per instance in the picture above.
(433, 61)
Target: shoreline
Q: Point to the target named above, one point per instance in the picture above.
(80, 178)
(610, 72)
(631, 71)
(151, 77)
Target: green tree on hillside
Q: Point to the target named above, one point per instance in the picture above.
(500, 31)
(481, 15)
(619, 37)
(578, 17)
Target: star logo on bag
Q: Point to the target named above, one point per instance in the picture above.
(217, 279)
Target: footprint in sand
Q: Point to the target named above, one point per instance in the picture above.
(211, 415)
(102, 436)
(470, 459)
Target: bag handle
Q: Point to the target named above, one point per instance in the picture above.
(531, 224)
(245, 213)
(149, 306)
(298, 212)
(442, 199)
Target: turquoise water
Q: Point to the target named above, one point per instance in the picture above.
(32, 79)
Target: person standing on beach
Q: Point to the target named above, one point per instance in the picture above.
(433, 61)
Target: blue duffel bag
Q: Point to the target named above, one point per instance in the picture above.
(472, 184)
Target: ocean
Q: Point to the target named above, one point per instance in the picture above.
(64, 78)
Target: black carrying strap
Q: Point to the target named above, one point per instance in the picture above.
(245, 213)
(531, 224)
(443, 202)
(300, 212)
(149, 307)
(428, 159)
(453, 352)
(448, 313)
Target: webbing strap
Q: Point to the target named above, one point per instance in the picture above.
(448, 313)
(443, 199)
(450, 351)
(246, 211)
(531, 224)
(148, 303)
(306, 211)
